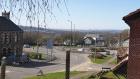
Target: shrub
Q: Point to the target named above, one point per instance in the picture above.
(97, 49)
(34, 55)
(98, 55)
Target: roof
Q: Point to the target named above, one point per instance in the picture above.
(132, 16)
(94, 36)
(8, 25)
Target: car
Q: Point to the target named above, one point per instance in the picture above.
(26, 46)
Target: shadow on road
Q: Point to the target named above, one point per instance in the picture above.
(35, 63)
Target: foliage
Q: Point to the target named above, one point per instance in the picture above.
(34, 55)
(75, 37)
(32, 38)
(113, 38)
(35, 11)
(100, 60)
(93, 49)
(124, 34)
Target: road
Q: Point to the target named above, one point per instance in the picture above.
(32, 68)
(79, 62)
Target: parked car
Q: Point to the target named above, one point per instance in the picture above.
(26, 46)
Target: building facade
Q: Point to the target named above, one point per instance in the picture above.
(11, 37)
(94, 39)
(133, 69)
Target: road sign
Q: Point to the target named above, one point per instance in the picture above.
(50, 44)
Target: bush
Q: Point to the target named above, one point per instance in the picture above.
(34, 55)
(97, 49)
(98, 55)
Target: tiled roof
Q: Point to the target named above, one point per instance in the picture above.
(8, 25)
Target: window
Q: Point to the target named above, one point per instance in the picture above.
(5, 38)
(15, 37)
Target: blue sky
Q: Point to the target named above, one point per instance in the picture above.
(89, 14)
(95, 14)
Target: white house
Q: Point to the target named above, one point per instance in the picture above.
(94, 39)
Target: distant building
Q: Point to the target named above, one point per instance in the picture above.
(126, 43)
(11, 37)
(94, 39)
(123, 50)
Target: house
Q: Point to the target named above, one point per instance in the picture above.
(123, 50)
(94, 39)
(11, 38)
(133, 20)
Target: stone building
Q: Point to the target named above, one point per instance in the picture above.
(11, 37)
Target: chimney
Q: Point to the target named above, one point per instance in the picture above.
(6, 14)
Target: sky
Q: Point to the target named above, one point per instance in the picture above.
(88, 15)
(95, 14)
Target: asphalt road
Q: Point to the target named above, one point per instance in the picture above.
(34, 67)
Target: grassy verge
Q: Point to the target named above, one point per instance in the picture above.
(57, 75)
(100, 60)
(113, 62)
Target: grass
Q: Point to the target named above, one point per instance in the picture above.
(100, 60)
(56, 75)
(113, 62)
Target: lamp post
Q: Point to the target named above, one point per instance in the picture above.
(95, 50)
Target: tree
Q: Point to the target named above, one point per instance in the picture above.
(35, 11)
(32, 38)
(76, 37)
(124, 34)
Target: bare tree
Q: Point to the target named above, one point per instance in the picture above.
(36, 11)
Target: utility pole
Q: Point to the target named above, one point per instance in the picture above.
(67, 74)
(95, 46)
(37, 51)
(3, 67)
(74, 40)
(71, 35)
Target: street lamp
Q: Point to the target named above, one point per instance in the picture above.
(95, 49)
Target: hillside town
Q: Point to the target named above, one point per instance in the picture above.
(34, 52)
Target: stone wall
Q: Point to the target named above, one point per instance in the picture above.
(14, 44)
